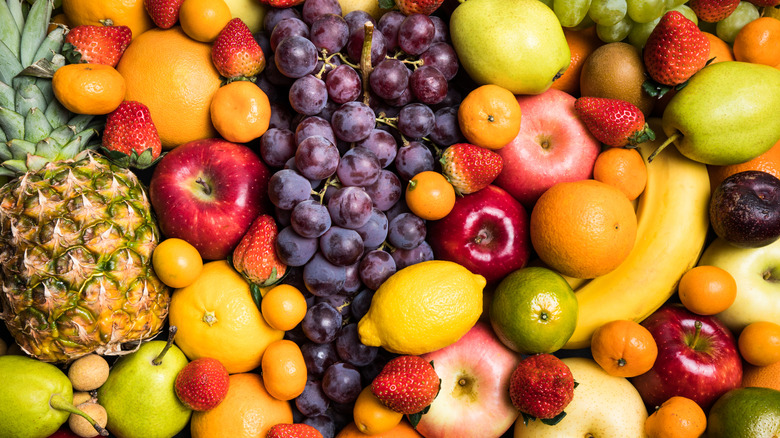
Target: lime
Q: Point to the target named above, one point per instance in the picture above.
(423, 307)
(534, 310)
(745, 413)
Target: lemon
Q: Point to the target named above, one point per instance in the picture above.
(745, 413)
(534, 310)
(422, 308)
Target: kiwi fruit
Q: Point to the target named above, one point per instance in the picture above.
(88, 372)
(616, 71)
(81, 427)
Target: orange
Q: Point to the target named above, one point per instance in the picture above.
(203, 20)
(247, 411)
(719, 49)
(283, 307)
(489, 116)
(217, 317)
(581, 44)
(173, 76)
(240, 111)
(583, 229)
(284, 371)
(430, 196)
(176, 262)
(762, 377)
(622, 168)
(371, 416)
(94, 89)
(402, 430)
(758, 42)
(624, 348)
(678, 417)
(768, 162)
(707, 290)
(759, 343)
(130, 13)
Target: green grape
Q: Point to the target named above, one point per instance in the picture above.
(616, 32)
(571, 12)
(728, 28)
(607, 12)
(549, 3)
(671, 4)
(688, 12)
(640, 31)
(642, 11)
(584, 24)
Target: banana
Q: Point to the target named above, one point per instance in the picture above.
(672, 226)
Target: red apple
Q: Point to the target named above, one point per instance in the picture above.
(697, 358)
(553, 146)
(486, 231)
(208, 192)
(474, 396)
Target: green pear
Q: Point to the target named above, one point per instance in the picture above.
(139, 394)
(516, 44)
(36, 398)
(728, 113)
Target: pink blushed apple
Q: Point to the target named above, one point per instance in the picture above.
(487, 232)
(553, 146)
(474, 396)
(208, 192)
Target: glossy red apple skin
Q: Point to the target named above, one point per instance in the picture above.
(208, 192)
(702, 374)
(474, 397)
(553, 146)
(487, 232)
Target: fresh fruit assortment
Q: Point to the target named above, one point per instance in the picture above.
(345, 218)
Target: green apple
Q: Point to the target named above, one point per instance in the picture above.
(139, 394)
(603, 406)
(516, 44)
(251, 12)
(757, 273)
(726, 114)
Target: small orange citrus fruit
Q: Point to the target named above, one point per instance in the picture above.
(430, 196)
(624, 348)
(707, 290)
(489, 116)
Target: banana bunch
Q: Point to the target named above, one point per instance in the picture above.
(672, 225)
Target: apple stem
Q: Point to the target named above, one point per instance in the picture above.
(206, 187)
(171, 333)
(58, 402)
(666, 143)
(696, 334)
(365, 59)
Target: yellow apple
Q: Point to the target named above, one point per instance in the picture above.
(251, 12)
(604, 406)
(370, 6)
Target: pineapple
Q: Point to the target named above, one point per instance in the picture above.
(76, 231)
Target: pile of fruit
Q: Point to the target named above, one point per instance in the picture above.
(393, 218)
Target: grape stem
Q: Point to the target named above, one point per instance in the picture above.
(365, 59)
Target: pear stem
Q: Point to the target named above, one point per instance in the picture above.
(666, 143)
(171, 333)
(58, 402)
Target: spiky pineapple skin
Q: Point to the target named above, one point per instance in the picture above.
(76, 240)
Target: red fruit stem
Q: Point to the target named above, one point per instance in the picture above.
(696, 335)
(365, 59)
(58, 402)
(206, 187)
(171, 333)
(666, 143)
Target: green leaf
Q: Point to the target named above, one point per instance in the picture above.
(51, 45)
(21, 148)
(257, 294)
(58, 116)
(9, 33)
(554, 420)
(36, 126)
(7, 94)
(414, 419)
(17, 12)
(28, 97)
(12, 123)
(386, 4)
(34, 31)
(9, 64)
(527, 418)
(14, 167)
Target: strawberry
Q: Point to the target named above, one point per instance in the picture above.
(235, 52)
(470, 168)
(614, 122)
(164, 13)
(675, 50)
(765, 3)
(202, 384)
(409, 7)
(255, 256)
(96, 44)
(713, 11)
(297, 430)
(541, 386)
(406, 384)
(130, 137)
